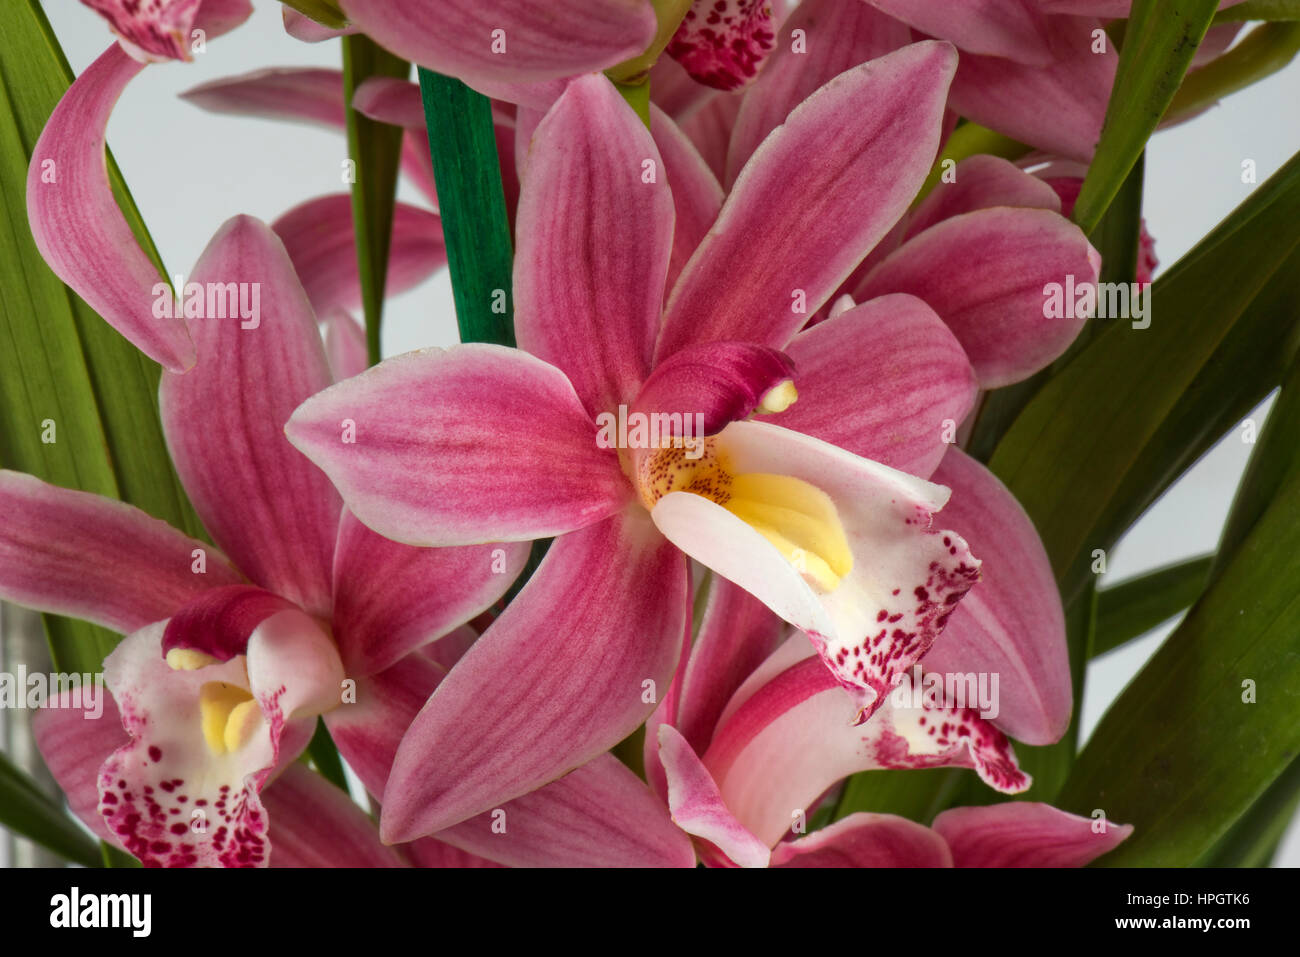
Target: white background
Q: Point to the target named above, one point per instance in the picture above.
(189, 171)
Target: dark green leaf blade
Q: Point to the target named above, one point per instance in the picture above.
(27, 810)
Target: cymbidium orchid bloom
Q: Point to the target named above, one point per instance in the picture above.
(227, 662)
(477, 443)
(742, 760)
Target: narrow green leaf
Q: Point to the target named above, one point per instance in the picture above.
(638, 97)
(915, 795)
(1159, 43)
(1260, 10)
(376, 149)
(1253, 840)
(1203, 731)
(27, 810)
(1134, 408)
(1264, 51)
(472, 204)
(58, 360)
(1132, 608)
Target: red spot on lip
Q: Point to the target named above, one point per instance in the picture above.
(155, 753)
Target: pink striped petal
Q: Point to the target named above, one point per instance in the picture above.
(720, 382)
(981, 182)
(866, 840)
(390, 599)
(271, 510)
(391, 100)
(321, 242)
(886, 380)
(86, 556)
(1026, 834)
(813, 201)
(710, 127)
(472, 444)
(794, 738)
(1059, 107)
(697, 197)
(986, 274)
(304, 28)
(345, 345)
(314, 824)
(162, 30)
(589, 278)
(737, 633)
(1106, 9)
(837, 36)
(600, 815)
(1001, 28)
(508, 41)
(722, 43)
(674, 91)
(78, 227)
(697, 805)
(218, 623)
(588, 645)
(169, 800)
(431, 852)
(74, 741)
(1012, 625)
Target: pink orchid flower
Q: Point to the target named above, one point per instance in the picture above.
(478, 443)
(600, 815)
(746, 789)
(227, 662)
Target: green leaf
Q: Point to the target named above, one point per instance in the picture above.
(1132, 608)
(27, 810)
(1159, 43)
(1135, 407)
(376, 149)
(1260, 10)
(1253, 840)
(1203, 731)
(325, 756)
(1263, 52)
(472, 204)
(915, 795)
(58, 360)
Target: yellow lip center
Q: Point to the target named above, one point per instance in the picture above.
(798, 518)
(229, 716)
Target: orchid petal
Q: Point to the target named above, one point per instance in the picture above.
(271, 510)
(472, 444)
(722, 43)
(906, 577)
(304, 28)
(812, 202)
(74, 742)
(1012, 625)
(866, 840)
(514, 41)
(86, 556)
(981, 182)
(1059, 107)
(168, 799)
(697, 196)
(886, 380)
(390, 598)
(794, 738)
(697, 805)
(1001, 28)
(345, 345)
(78, 227)
(987, 274)
(162, 30)
(587, 298)
(710, 128)
(319, 237)
(218, 622)
(1026, 834)
(720, 382)
(588, 642)
(314, 824)
(841, 35)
